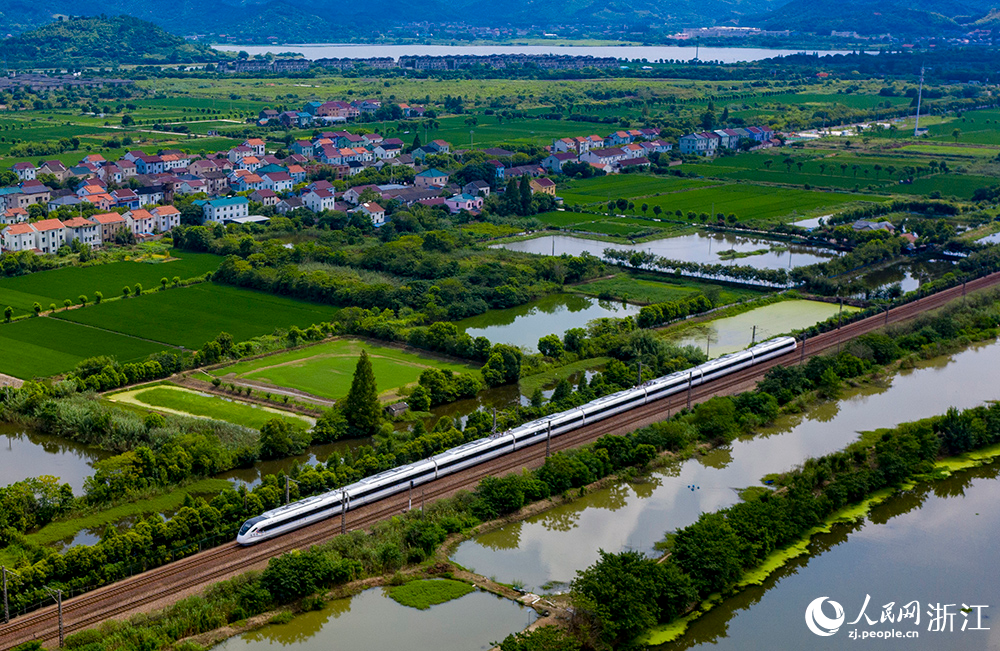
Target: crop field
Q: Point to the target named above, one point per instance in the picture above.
(205, 310)
(45, 287)
(325, 370)
(43, 346)
(951, 151)
(949, 185)
(751, 202)
(627, 186)
(182, 401)
(647, 289)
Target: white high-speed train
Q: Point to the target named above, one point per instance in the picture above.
(371, 489)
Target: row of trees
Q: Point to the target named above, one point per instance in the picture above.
(739, 273)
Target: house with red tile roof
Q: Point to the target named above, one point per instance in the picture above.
(109, 223)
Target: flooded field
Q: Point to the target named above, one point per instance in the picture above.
(730, 334)
(25, 454)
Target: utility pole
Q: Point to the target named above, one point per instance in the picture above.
(6, 606)
(57, 595)
(343, 512)
(409, 505)
(548, 440)
(753, 337)
(920, 93)
(287, 481)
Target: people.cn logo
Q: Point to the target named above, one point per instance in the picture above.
(819, 623)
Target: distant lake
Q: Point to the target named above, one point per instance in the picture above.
(631, 52)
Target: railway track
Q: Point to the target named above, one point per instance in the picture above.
(163, 585)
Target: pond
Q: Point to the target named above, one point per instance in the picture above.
(909, 274)
(556, 313)
(730, 334)
(703, 248)
(552, 546)
(931, 544)
(25, 454)
(371, 620)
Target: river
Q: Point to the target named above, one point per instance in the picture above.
(549, 548)
(371, 620)
(702, 248)
(932, 545)
(630, 52)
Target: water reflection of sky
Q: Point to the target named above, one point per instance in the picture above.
(25, 454)
(523, 325)
(371, 620)
(553, 546)
(697, 247)
(933, 545)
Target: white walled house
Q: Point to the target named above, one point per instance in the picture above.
(220, 210)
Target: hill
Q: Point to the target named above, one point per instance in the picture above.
(326, 21)
(101, 41)
(914, 17)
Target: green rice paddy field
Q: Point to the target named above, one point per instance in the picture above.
(190, 316)
(46, 287)
(325, 370)
(206, 406)
(40, 347)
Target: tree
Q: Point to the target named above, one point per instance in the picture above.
(956, 133)
(361, 406)
(83, 299)
(503, 366)
(67, 303)
(126, 291)
(98, 297)
(163, 283)
(138, 289)
(279, 439)
(37, 307)
(525, 190)
(550, 346)
(8, 314)
(657, 210)
(543, 638)
(768, 163)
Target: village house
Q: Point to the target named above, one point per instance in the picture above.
(109, 223)
(543, 186)
(460, 202)
(431, 178)
(165, 218)
(477, 188)
(18, 237)
(264, 197)
(24, 171)
(553, 163)
(50, 234)
(82, 230)
(226, 208)
(319, 200)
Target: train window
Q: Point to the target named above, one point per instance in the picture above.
(249, 523)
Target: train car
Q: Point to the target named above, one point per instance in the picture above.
(372, 489)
